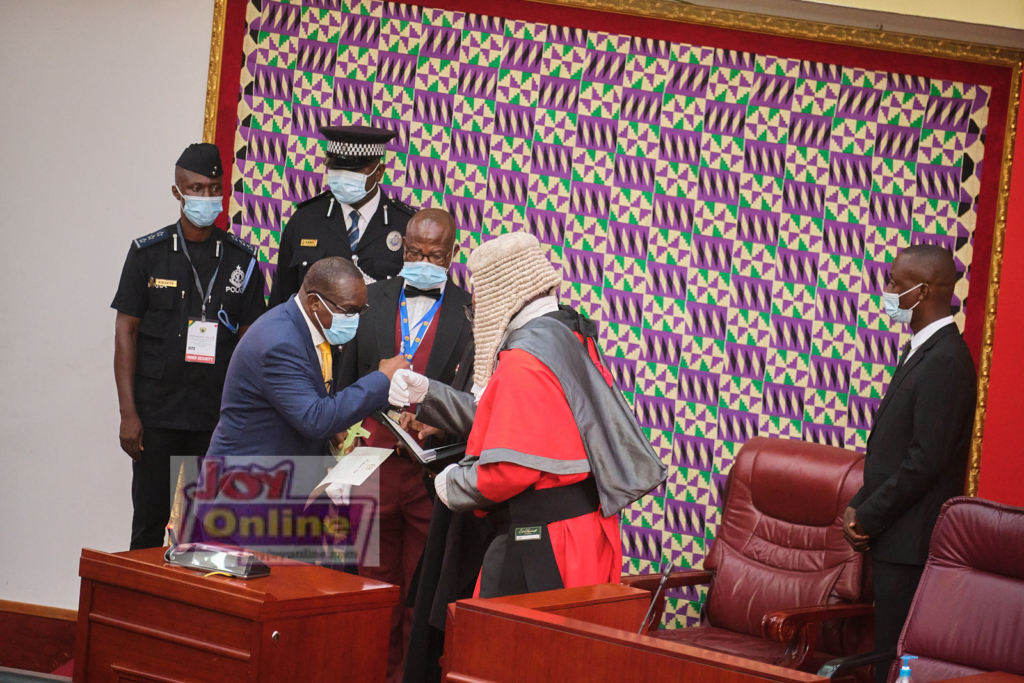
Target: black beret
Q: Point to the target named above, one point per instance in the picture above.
(352, 147)
(202, 158)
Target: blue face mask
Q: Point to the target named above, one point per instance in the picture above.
(349, 187)
(343, 327)
(424, 274)
(201, 211)
(891, 302)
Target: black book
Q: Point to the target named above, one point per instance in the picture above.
(434, 459)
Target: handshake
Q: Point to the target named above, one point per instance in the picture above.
(407, 387)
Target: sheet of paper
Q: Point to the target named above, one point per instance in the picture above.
(353, 469)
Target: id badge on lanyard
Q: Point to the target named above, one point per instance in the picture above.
(201, 344)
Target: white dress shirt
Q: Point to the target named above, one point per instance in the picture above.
(366, 212)
(534, 309)
(314, 332)
(925, 334)
(418, 307)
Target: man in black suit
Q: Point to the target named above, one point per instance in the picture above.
(353, 219)
(918, 448)
(421, 315)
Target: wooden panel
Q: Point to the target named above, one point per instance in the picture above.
(326, 648)
(35, 643)
(121, 674)
(38, 610)
(82, 634)
(117, 605)
(612, 605)
(155, 658)
(505, 644)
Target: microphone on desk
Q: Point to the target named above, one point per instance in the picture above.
(666, 570)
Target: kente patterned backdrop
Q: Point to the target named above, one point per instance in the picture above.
(728, 218)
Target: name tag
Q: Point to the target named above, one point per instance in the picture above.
(201, 344)
(307, 243)
(528, 533)
(163, 283)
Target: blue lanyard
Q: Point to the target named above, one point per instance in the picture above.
(411, 339)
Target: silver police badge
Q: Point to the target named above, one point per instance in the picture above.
(394, 240)
(236, 280)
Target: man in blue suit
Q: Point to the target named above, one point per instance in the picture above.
(279, 396)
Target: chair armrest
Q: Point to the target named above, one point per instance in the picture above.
(784, 625)
(649, 582)
(837, 667)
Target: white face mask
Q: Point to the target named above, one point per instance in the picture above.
(200, 211)
(424, 274)
(349, 187)
(891, 303)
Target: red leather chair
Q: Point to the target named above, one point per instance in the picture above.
(784, 586)
(968, 613)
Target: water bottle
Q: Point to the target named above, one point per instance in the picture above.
(905, 669)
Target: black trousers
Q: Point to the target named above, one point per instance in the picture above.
(151, 480)
(895, 585)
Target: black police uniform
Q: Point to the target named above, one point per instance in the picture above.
(312, 234)
(178, 402)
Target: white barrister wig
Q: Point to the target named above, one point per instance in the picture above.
(508, 272)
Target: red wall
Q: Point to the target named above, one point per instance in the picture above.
(1002, 454)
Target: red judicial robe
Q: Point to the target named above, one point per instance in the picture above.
(524, 432)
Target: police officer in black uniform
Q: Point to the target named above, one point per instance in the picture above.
(353, 219)
(187, 294)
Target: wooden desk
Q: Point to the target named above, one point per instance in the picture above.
(141, 620)
(503, 640)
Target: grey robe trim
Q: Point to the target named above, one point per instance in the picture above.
(534, 462)
(623, 461)
(447, 409)
(463, 494)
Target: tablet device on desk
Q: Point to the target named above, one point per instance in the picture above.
(434, 459)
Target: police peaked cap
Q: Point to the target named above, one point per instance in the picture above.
(202, 158)
(353, 147)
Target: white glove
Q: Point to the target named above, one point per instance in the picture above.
(407, 387)
(340, 494)
(441, 483)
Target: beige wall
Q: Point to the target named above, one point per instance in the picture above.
(1004, 13)
(98, 99)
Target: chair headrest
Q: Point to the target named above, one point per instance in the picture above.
(981, 534)
(800, 482)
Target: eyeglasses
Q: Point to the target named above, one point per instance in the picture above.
(344, 311)
(469, 311)
(437, 258)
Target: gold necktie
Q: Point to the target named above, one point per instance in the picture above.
(328, 367)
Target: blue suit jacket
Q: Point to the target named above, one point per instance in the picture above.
(274, 400)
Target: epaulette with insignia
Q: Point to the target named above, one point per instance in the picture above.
(153, 238)
(403, 207)
(322, 195)
(242, 244)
